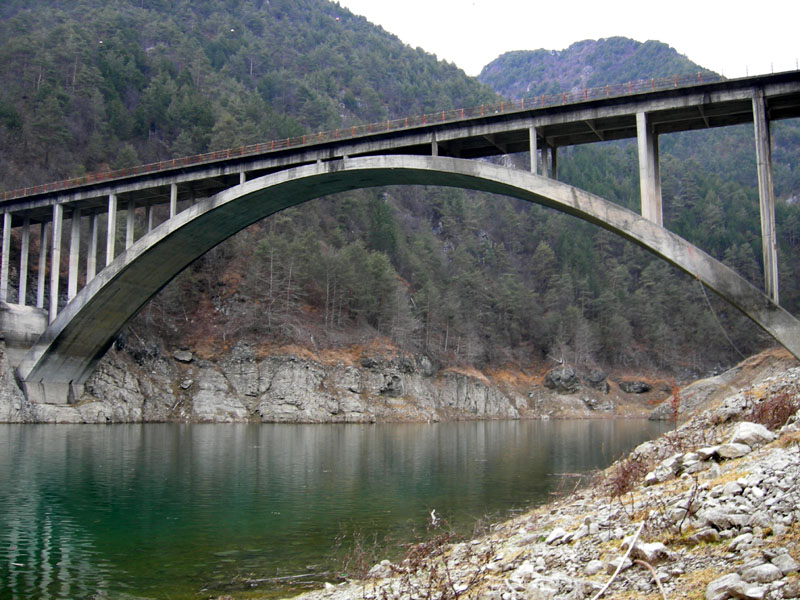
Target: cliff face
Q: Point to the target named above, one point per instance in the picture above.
(244, 386)
(285, 389)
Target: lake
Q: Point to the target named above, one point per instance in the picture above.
(197, 511)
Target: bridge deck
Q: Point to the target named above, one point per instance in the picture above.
(484, 131)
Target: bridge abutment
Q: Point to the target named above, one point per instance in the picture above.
(21, 326)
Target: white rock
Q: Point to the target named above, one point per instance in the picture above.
(707, 452)
(612, 566)
(593, 567)
(785, 563)
(732, 450)
(524, 572)
(752, 434)
(731, 489)
(555, 535)
(740, 541)
(732, 586)
(765, 573)
(650, 552)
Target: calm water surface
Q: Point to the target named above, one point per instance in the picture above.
(192, 511)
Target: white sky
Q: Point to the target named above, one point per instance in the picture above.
(732, 37)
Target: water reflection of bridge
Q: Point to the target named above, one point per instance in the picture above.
(187, 206)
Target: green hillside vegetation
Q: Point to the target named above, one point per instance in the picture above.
(464, 277)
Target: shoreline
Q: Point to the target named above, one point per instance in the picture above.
(717, 518)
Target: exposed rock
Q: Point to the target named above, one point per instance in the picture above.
(597, 404)
(425, 366)
(593, 567)
(596, 379)
(555, 536)
(213, 401)
(785, 563)
(632, 386)
(731, 450)
(381, 570)
(368, 362)
(765, 573)
(732, 586)
(393, 386)
(751, 434)
(562, 379)
(183, 356)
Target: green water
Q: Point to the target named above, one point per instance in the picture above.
(197, 511)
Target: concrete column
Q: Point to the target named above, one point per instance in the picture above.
(242, 177)
(534, 150)
(130, 214)
(40, 283)
(766, 195)
(148, 217)
(4, 260)
(23, 260)
(74, 253)
(91, 256)
(649, 173)
(111, 229)
(173, 200)
(553, 162)
(434, 145)
(55, 259)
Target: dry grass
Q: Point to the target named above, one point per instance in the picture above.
(470, 372)
(773, 412)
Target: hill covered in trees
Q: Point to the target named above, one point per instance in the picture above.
(466, 278)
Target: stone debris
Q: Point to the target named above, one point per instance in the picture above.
(721, 502)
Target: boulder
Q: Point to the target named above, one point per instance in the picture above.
(562, 379)
(732, 450)
(183, 356)
(765, 573)
(752, 434)
(785, 563)
(633, 386)
(732, 586)
(596, 379)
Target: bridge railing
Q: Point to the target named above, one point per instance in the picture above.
(445, 116)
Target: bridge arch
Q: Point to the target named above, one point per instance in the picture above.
(64, 356)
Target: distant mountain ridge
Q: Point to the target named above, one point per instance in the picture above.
(584, 64)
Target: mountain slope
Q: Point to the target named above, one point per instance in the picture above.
(464, 278)
(585, 64)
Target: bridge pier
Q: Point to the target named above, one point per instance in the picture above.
(766, 196)
(74, 253)
(4, 262)
(111, 228)
(23, 260)
(649, 173)
(55, 258)
(40, 282)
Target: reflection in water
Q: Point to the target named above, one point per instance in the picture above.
(165, 510)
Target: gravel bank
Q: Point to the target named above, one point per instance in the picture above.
(709, 511)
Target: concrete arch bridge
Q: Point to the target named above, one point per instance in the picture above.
(56, 351)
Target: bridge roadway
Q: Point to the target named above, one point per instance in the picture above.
(193, 187)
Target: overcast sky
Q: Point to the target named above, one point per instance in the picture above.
(729, 37)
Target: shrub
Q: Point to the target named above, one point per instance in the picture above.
(773, 412)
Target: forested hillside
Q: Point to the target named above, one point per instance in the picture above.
(465, 278)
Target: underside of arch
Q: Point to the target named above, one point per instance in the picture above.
(66, 353)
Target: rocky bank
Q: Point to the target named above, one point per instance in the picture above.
(141, 382)
(709, 511)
